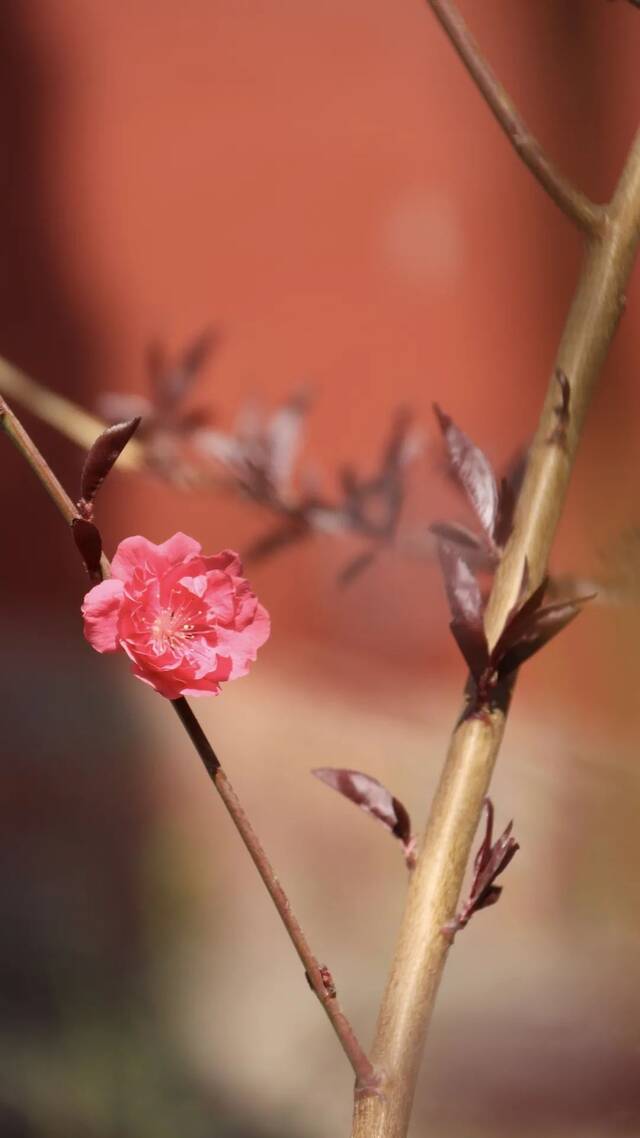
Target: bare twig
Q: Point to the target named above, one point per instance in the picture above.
(572, 201)
(23, 442)
(422, 948)
(71, 420)
(366, 1079)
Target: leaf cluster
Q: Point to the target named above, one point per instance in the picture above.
(531, 623)
(490, 861)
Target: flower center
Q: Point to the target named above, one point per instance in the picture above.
(175, 625)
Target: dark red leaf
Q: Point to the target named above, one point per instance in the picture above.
(457, 535)
(510, 486)
(171, 382)
(504, 517)
(402, 828)
(544, 624)
(397, 447)
(372, 797)
(472, 642)
(463, 590)
(498, 858)
(490, 861)
(283, 438)
(89, 543)
(473, 471)
(519, 621)
(489, 897)
(101, 457)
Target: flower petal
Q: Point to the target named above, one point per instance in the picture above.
(242, 645)
(100, 609)
(228, 561)
(179, 548)
(137, 553)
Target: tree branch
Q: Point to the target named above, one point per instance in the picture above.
(319, 979)
(318, 976)
(72, 421)
(588, 216)
(421, 949)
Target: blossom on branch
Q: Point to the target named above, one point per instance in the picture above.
(188, 622)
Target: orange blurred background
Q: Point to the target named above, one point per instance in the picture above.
(323, 185)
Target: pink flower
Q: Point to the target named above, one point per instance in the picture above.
(187, 622)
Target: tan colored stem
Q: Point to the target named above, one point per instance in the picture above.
(23, 442)
(72, 421)
(421, 949)
(13, 428)
(571, 201)
(366, 1079)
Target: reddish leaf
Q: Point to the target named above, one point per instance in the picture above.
(373, 505)
(171, 382)
(504, 517)
(101, 457)
(463, 590)
(400, 446)
(484, 851)
(457, 535)
(472, 642)
(473, 471)
(544, 624)
(372, 797)
(89, 543)
(519, 620)
(490, 861)
(510, 486)
(283, 438)
(402, 828)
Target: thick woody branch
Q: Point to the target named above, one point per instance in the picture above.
(422, 949)
(318, 976)
(571, 200)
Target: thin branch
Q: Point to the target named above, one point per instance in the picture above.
(572, 201)
(71, 420)
(318, 976)
(254, 462)
(366, 1079)
(12, 427)
(422, 948)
